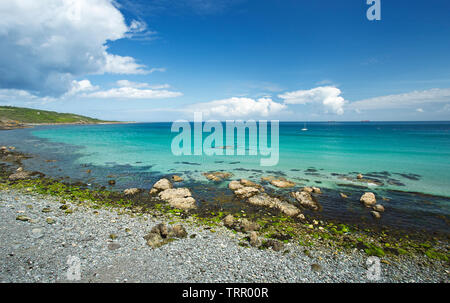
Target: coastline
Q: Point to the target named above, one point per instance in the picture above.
(315, 240)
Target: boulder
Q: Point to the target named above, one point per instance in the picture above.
(282, 183)
(307, 189)
(131, 191)
(179, 231)
(272, 202)
(247, 225)
(235, 185)
(306, 200)
(246, 192)
(316, 190)
(154, 240)
(161, 229)
(379, 208)
(178, 197)
(228, 221)
(375, 214)
(254, 240)
(20, 175)
(161, 185)
(368, 199)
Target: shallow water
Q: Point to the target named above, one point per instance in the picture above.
(398, 158)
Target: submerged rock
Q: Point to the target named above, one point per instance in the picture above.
(217, 176)
(379, 208)
(176, 178)
(306, 200)
(178, 197)
(368, 199)
(161, 185)
(376, 214)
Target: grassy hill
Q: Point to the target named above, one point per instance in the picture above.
(20, 115)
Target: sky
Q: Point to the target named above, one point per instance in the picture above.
(288, 60)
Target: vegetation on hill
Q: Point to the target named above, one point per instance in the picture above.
(20, 115)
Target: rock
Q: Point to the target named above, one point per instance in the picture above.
(306, 200)
(161, 229)
(19, 169)
(162, 184)
(179, 198)
(272, 202)
(112, 182)
(176, 178)
(249, 183)
(375, 214)
(307, 189)
(36, 233)
(228, 221)
(23, 218)
(246, 192)
(254, 240)
(50, 221)
(282, 183)
(46, 210)
(301, 217)
(316, 190)
(360, 176)
(343, 196)
(113, 246)
(368, 199)
(379, 208)
(274, 244)
(154, 240)
(179, 231)
(131, 191)
(20, 175)
(235, 185)
(316, 267)
(217, 176)
(247, 225)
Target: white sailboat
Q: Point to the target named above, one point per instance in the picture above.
(304, 128)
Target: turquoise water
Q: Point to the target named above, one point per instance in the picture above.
(407, 163)
(421, 149)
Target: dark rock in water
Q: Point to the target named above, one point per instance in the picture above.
(352, 185)
(236, 162)
(395, 182)
(413, 177)
(295, 169)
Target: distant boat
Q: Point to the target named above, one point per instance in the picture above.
(304, 128)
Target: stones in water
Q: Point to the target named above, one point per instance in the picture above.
(375, 214)
(306, 200)
(217, 176)
(272, 202)
(161, 185)
(379, 208)
(176, 178)
(368, 199)
(360, 176)
(282, 183)
(112, 182)
(343, 196)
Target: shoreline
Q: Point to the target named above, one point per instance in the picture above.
(305, 238)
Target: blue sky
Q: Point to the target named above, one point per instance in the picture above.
(289, 60)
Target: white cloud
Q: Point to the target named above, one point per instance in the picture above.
(46, 44)
(238, 108)
(407, 100)
(328, 96)
(81, 86)
(126, 83)
(420, 110)
(132, 92)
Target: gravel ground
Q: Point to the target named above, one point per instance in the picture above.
(38, 252)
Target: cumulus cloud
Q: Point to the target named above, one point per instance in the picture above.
(238, 108)
(435, 95)
(329, 96)
(46, 44)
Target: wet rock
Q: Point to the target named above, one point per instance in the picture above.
(375, 214)
(246, 192)
(112, 182)
(254, 240)
(179, 198)
(179, 231)
(306, 200)
(272, 202)
(307, 189)
(282, 183)
(176, 178)
(360, 176)
(217, 176)
(228, 221)
(247, 225)
(235, 185)
(316, 190)
(20, 175)
(368, 199)
(160, 185)
(343, 196)
(131, 191)
(379, 208)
